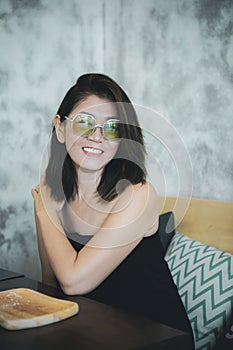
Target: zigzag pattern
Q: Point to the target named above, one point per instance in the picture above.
(204, 278)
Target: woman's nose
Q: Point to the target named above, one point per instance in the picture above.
(96, 135)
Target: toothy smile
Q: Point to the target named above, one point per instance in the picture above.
(92, 150)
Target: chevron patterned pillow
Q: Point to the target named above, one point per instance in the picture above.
(204, 278)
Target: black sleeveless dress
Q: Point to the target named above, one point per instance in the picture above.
(142, 284)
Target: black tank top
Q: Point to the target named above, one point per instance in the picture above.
(142, 284)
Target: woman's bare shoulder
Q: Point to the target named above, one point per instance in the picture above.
(147, 198)
(142, 192)
(140, 199)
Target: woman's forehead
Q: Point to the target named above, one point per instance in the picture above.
(96, 106)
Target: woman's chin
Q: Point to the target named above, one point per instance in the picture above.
(92, 164)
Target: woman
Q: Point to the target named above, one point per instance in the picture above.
(96, 215)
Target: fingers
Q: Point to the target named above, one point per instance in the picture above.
(35, 191)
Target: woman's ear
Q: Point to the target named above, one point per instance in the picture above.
(59, 128)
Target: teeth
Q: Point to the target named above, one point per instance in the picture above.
(92, 150)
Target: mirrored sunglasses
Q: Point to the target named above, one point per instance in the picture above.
(85, 125)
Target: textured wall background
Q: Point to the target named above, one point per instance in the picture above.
(173, 56)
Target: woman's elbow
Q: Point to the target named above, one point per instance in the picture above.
(77, 287)
(68, 290)
(71, 290)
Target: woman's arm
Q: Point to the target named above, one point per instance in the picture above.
(80, 273)
(48, 276)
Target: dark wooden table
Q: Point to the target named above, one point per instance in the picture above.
(96, 326)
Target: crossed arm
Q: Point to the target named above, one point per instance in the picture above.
(80, 273)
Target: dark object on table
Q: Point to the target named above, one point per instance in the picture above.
(5, 275)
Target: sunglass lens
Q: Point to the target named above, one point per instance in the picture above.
(111, 130)
(83, 125)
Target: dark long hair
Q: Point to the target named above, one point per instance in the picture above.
(129, 160)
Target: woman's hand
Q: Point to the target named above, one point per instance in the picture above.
(44, 202)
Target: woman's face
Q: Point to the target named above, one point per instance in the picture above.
(91, 152)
